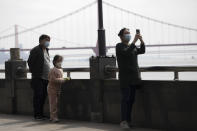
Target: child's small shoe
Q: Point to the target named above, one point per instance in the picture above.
(124, 125)
(55, 120)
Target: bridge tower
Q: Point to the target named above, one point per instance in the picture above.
(16, 36)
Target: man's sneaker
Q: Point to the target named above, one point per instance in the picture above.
(124, 125)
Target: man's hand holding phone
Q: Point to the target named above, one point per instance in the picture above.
(138, 36)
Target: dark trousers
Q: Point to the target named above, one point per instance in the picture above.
(39, 87)
(128, 99)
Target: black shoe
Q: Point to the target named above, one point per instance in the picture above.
(45, 117)
(131, 125)
(40, 118)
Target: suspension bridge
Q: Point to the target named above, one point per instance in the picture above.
(77, 30)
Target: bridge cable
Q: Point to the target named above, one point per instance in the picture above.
(52, 21)
(152, 19)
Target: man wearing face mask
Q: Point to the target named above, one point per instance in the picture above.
(39, 66)
(129, 74)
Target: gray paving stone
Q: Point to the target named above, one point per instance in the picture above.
(27, 123)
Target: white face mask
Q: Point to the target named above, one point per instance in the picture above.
(59, 64)
(127, 37)
(46, 44)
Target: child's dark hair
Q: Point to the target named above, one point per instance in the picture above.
(57, 57)
(120, 34)
(42, 37)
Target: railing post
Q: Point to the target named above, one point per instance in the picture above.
(68, 74)
(176, 75)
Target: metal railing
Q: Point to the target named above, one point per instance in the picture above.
(2, 71)
(174, 69)
(69, 70)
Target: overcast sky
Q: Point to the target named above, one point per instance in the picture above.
(29, 13)
(33, 12)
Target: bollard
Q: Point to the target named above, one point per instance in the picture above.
(100, 69)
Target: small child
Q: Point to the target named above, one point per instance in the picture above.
(54, 87)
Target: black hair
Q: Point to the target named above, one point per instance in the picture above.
(56, 58)
(42, 37)
(121, 33)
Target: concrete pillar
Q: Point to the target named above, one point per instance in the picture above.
(99, 70)
(96, 90)
(15, 68)
(14, 54)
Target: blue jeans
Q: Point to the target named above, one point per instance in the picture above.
(128, 99)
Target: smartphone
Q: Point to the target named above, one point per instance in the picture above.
(137, 31)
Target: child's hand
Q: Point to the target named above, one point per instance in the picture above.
(67, 79)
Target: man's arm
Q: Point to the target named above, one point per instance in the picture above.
(31, 59)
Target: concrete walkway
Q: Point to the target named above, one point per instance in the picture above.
(26, 123)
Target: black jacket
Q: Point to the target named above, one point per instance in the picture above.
(36, 61)
(127, 57)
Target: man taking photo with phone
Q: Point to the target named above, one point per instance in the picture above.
(129, 74)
